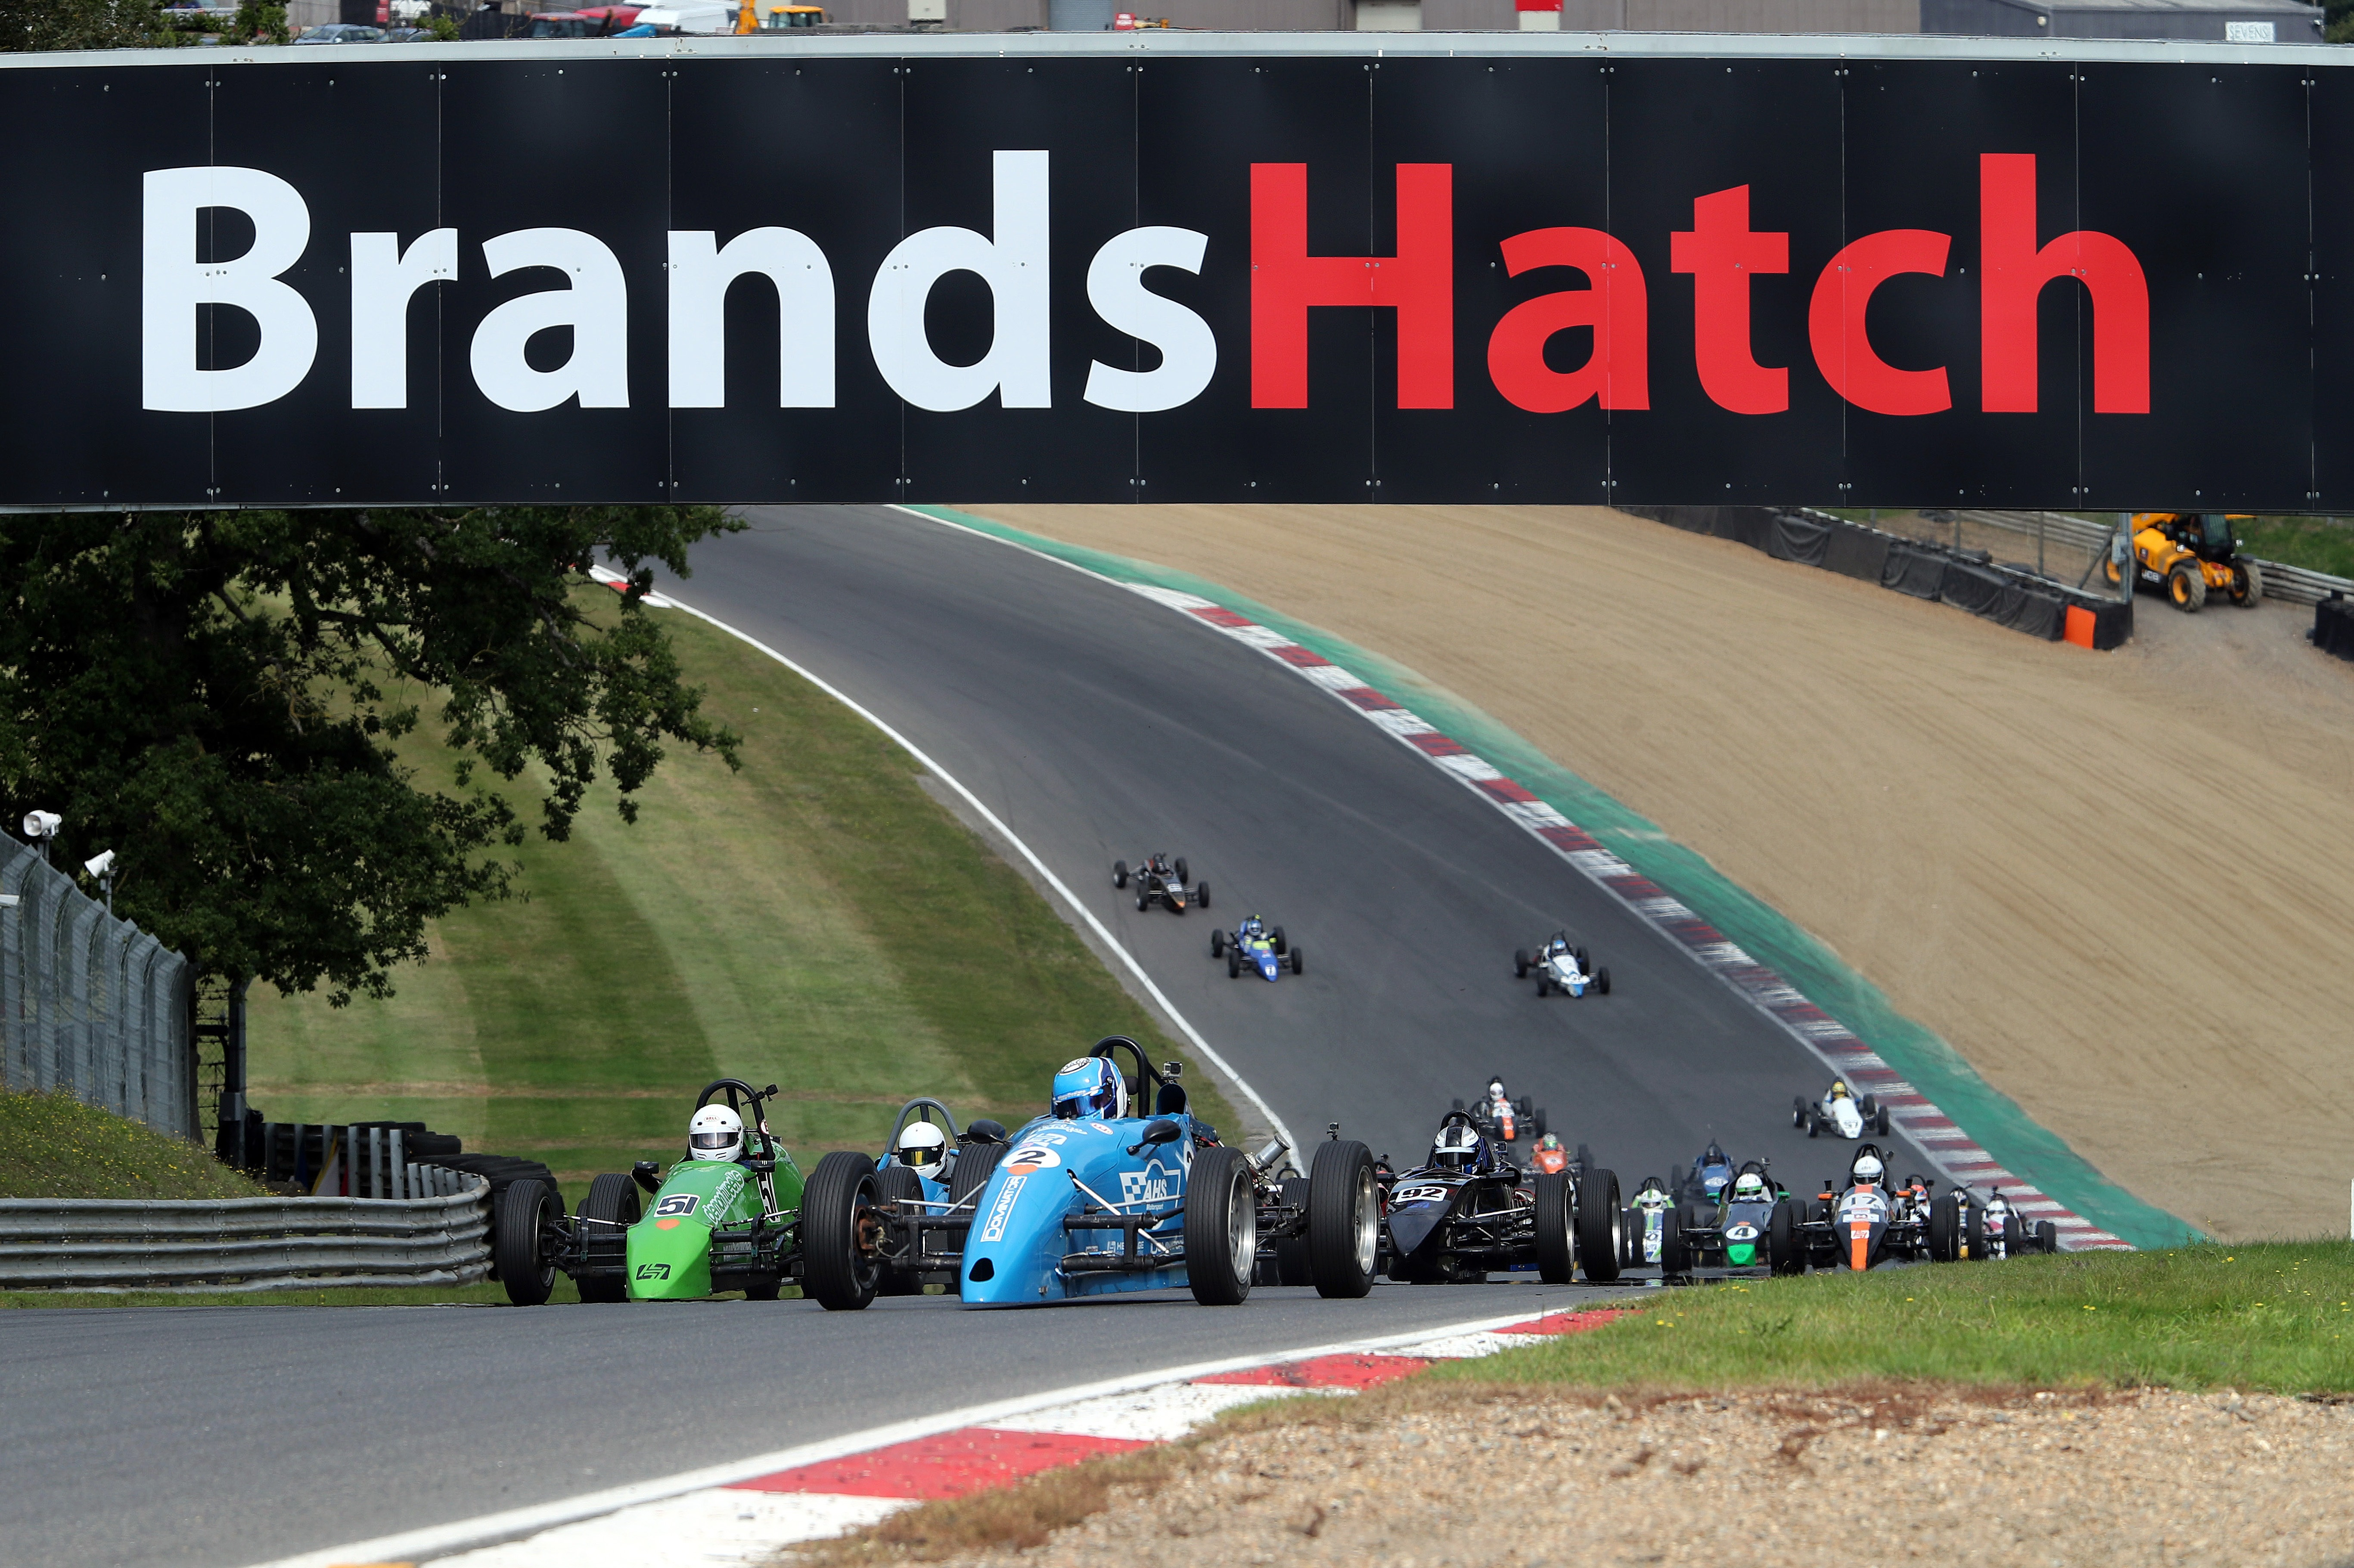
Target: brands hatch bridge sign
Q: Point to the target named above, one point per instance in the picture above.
(1459, 267)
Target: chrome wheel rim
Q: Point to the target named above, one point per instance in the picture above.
(1242, 1227)
(1367, 1221)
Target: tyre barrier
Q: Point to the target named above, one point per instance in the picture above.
(2333, 626)
(198, 1246)
(1967, 580)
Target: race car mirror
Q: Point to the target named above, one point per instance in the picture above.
(1157, 1132)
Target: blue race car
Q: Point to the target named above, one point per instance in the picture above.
(1253, 944)
(1093, 1201)
(1712, 1172)
(930, 1168)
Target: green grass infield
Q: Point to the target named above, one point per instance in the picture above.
(2275, 1316)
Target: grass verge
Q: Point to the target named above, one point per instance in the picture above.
(2317, 543)
(816, 920)
(2276, 1316)
(53, 1146)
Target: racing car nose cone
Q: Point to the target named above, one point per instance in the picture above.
(1410, 1227)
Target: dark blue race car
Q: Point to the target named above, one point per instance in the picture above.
(1258, 946)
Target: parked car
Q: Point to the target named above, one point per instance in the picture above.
(341, 33)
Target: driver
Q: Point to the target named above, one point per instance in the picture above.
(1251, 928)
(923, 1146)
(715, 1132)
(1459, 1148)
(1751, 1189)
(1838, 1091)
(1867, 1169)
(1090, 1088)
(1496, 1091)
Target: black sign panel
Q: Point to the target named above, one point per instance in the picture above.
(758, 272)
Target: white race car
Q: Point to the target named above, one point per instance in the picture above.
(1561, 967)
(1839, 1114)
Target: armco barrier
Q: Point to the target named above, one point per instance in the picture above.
(1967, 579)
(248, 1244)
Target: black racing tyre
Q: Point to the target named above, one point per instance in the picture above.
(2047, 1236)
(1869, 1106)
(1584, 1158)
(1520, 963)
(1344, 1219)
(1221, 1227)
(1785, 1253)
(1293, 1265)
(518, 1241)
(1880, 1122)
(1556, 1201)
(1119, 873)
(1537, 1122)
(839, 1230)
(613, 1200)
(1797, 1112)
(1974, 1234)
(1945, 1232)
(898, 1184)
(1143, 899)
(1814, 1124)
(1217, 943)
(1630, 1242)
(1542, 985)
(975, 1163)
(1234, 962)
(1282, 946)
(1521, 1105)
(1202, 895)
(1584, 962)
(1602, 980)
(1599, 1222)
(1183, 874)
(1298, 964)
(2185, 585)
(1675, 1257)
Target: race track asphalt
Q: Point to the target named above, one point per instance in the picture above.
(212, 1437)
(1099, 726)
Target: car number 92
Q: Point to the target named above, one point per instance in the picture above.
(1424, 1192)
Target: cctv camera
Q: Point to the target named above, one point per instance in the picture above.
(99, 864)
(42, 824)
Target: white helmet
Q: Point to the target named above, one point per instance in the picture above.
(1750, 1189)
(1456, 1148)
(1868, 1168)
(716, 1133)
(921, 1144)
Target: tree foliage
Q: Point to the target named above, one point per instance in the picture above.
(216, 696)
(78, 24)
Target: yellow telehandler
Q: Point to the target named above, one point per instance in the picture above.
(2186, 554)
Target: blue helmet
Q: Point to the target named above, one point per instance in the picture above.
(1090, 1086)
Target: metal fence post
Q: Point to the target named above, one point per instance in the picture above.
(402, 1172)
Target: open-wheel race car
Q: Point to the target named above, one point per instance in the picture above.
(1160, 880)
(1092, 1199)
(724, 1219)
(1561, 967)
(1857, 1225)
(1733, 1230)
(1470, 1212)
(929, 1166)
(1839, 1113)
(1258, 946)
(1962, 1229)
(1508, 1120)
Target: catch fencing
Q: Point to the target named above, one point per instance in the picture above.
(90, 1003)
(249, 1243)
(2070, 549)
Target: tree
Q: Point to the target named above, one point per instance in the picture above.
(217, 695)
(78, 24)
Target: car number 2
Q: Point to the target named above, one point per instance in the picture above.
(679, 1204)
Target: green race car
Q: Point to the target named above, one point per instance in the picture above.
(726, 1220)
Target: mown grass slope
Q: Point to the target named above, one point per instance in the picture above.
(2272, 1316)
(815, 920)
(53, 1146)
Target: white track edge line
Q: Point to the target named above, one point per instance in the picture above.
(1184, 1025)
(491, 1529)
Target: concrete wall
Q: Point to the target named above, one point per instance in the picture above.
(1695, 16)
